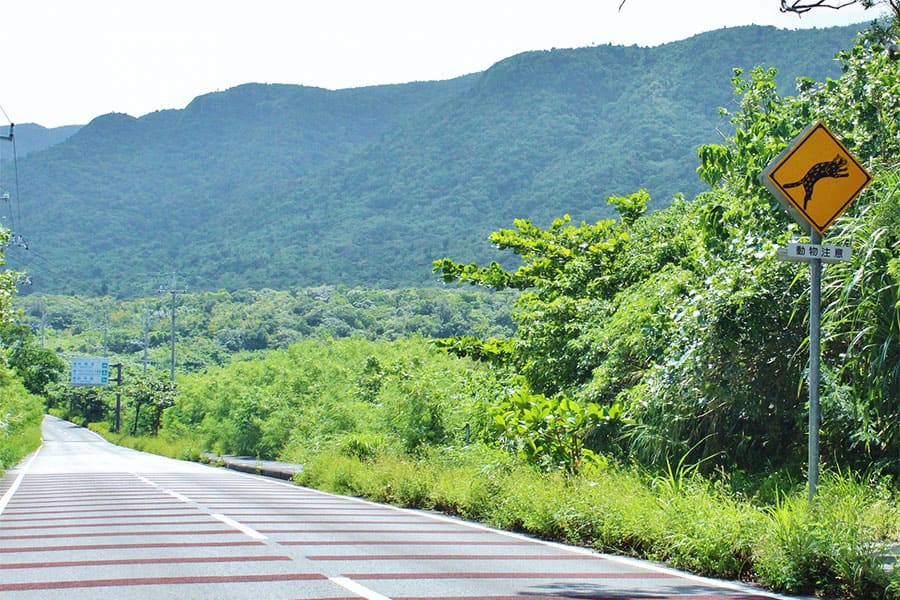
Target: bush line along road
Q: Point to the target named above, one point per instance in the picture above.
(85, 519)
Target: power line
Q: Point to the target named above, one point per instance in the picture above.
(12, 216)
(16, 222)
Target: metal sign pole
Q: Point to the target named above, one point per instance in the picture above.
(815, 352)
(793, 178)
(118, 367)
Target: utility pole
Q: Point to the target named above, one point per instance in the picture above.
(43, 320)
(146, 337)
(106, 333)
(42, 323)
(103, 330)
(118, 381)
(174, 291)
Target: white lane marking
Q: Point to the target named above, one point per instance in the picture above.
(623, 560)
(178, 496)
(248, 531)
(359, 590)
(15, 485)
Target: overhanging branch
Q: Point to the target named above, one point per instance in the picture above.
(802, 6)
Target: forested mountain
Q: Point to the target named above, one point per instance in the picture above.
(34, 138)
(282, 185)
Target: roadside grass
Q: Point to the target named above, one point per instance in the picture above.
(833, 545)
(21, 414)
(683, 519)
(16, 445)
(183, 447)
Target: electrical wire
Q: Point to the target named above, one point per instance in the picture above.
(16, 221)
(16, 178)
(14, 227)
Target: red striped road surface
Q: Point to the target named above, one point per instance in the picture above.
(83, 519)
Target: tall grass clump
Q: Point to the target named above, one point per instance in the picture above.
(685, 520)
(834, 546)
(702, 526)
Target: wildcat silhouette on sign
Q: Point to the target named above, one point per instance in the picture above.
(836, 167)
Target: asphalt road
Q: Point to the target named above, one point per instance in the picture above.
(83, 519)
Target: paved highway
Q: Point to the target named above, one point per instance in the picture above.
(83, 519)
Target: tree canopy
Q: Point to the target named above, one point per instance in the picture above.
(687, 318)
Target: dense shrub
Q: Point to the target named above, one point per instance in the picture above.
(319, 390)
(20, 419)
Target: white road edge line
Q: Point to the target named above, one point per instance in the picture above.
(357, 589)
(15, 486)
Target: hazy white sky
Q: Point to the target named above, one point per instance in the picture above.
(68, 61)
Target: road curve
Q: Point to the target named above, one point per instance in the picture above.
(83, 519)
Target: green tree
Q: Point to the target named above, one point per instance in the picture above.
(861, 322)
(568, 272)
(36, 366)
(550, 432)
(81, 404)
(687, 316)
(153, 392)
(20, 411)
(7, 281)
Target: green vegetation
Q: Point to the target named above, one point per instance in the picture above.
(37, 367)
(402, 422)
(644, 392)
(687, 318)
(315, 392)
(182, 447)
(20, 420)
(20, 411)
(213, 328)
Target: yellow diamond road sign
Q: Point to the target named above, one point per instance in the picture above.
(816, 178)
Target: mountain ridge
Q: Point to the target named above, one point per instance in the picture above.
(277, 185)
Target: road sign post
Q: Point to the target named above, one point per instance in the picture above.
(118, 381)
(815, 179)
(815, 368)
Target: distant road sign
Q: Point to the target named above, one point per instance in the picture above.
(90, 371)
(815, 178)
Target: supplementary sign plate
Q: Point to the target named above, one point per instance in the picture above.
(798, 252)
